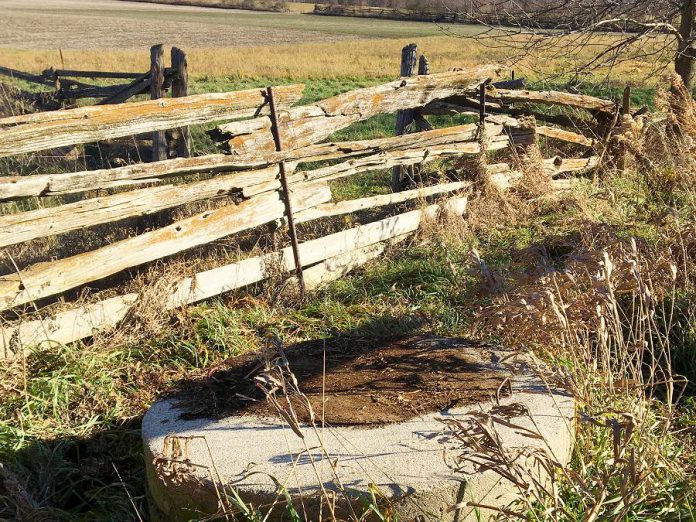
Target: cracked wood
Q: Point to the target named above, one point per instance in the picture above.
(18, 187)
(308, 124)
(35, 132)
(54, 277)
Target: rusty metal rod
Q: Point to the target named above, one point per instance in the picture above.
(286, 192)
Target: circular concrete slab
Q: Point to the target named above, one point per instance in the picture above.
(193, 463)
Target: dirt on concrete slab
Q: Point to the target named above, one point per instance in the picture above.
(357, 386)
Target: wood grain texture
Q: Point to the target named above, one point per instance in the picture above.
(25, 226)
(65, 327)
(565, 136)
(404, 117)
(579, 101)
(34, 132)
(558, 165)
(341, 265)
(381, 200)
(54, 277)
(218, 280)
(302, 126)
(544, 130)
(50, 221)
(75, 182)
(308, 214)
(335, 254)
(159, 140)
(413, 156)
(181, 136)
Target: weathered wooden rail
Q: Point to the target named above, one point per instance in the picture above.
(153, 83)
(46, 130)
(248, 178)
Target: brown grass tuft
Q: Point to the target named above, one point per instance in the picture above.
(608, 313)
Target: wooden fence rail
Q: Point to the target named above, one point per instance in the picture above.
(65, 87)
(74, 182)
(153, 82)
(311, 123)
(35, 132)
(84, 321)
(248, 177)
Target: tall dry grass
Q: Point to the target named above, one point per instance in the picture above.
(610, 322)
(366, 58)
(600, 328)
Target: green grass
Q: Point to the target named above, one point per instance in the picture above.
(79, 414)
(69, 433)
(81, 410)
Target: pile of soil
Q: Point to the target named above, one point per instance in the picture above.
(362, 386)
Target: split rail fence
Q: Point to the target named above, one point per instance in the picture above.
(266, 138)
(155, 82)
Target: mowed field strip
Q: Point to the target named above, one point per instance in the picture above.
(112, 24)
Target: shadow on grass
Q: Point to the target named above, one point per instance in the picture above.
(102, 476)
(99, 477)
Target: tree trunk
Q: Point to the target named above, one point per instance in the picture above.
(685, 61)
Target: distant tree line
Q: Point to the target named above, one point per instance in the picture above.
(254, 5)
(556, 14)
(646, 30)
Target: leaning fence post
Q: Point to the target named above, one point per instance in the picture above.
(159, 142)
(482, 161)
(286, 191)
(180, 89)
(404, 117)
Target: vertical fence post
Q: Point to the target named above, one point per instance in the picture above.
(404, 117)
(626, 103)
(414, 171)
(622, 152)
(159, 142)
(286, 191)
(182, 145)
(482, 104)
(423, 66)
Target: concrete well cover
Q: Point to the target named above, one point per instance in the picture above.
(400, 449)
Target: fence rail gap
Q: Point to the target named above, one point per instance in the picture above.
(260, 178)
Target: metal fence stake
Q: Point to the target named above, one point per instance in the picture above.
(286, 192)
